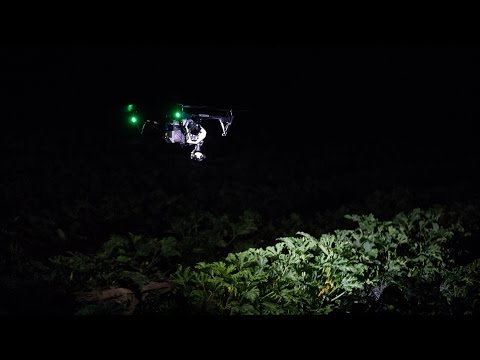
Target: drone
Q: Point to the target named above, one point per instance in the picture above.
(183, 126)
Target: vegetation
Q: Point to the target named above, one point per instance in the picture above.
(345, 271)
(275, 242)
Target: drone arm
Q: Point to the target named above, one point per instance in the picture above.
(145, 123)
(225, 120)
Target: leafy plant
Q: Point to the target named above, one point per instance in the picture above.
(203, 235)
(123, 260)
(344, 271)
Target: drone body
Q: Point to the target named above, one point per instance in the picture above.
(184, 125)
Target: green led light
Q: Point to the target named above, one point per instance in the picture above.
(130, 107)
(178, 114)
(133, 119)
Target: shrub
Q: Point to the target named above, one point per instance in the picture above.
(401, 266)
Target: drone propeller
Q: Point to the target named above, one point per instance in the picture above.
(213, 108)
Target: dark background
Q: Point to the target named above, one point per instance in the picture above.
(296, 100)
(406, 113)
(405, 93)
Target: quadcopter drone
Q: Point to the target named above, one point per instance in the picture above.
(184, 125)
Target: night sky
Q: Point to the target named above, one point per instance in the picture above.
(291, 98)
(405, 103)
(336, 91)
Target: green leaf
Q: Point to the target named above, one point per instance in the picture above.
(262, 261)
(123, 259)
(247, 309)
(135, 238)
(133, 278)
(247, 223)
(367, 246)
(324, 249)
(271, 308)
(252, 294)
(169, 247)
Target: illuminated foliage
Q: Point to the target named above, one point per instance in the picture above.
(345, 271)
